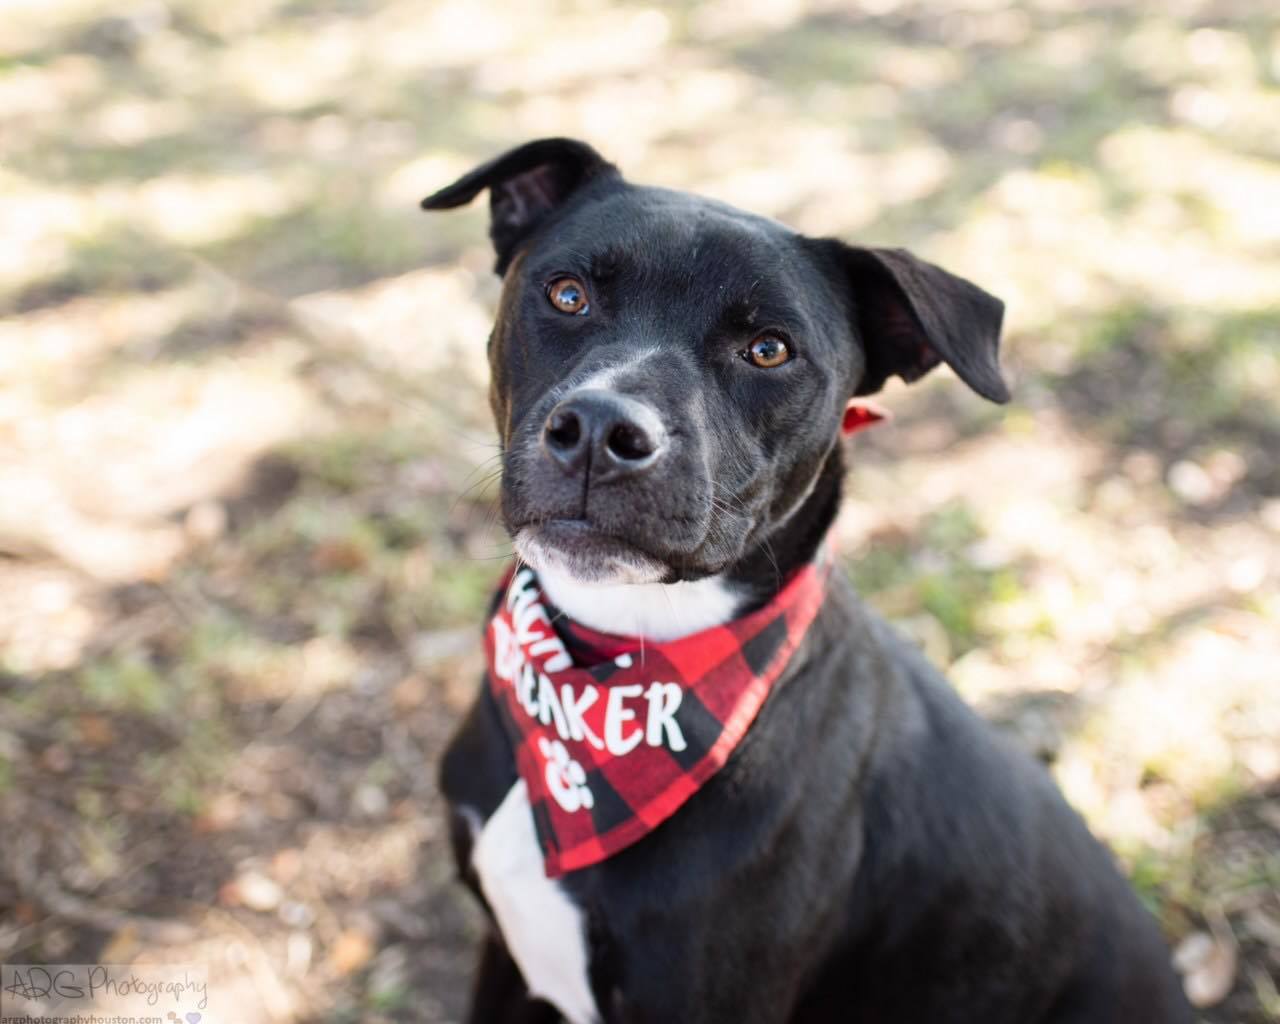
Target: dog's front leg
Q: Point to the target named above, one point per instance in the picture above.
(681, 982)
(499, 995)
(703, 1009)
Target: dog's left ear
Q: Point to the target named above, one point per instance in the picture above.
(525, 185)
(912, 315)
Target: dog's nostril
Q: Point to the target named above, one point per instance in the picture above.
(564, 429)
(629, 442)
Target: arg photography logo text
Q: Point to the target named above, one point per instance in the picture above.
(104, 994)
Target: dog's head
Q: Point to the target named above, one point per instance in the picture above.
(669, 373)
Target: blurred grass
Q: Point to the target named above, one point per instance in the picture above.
(934, 572)
(246, 509)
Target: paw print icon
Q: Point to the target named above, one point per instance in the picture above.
(565, 777)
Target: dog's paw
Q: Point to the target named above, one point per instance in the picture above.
(566, 778)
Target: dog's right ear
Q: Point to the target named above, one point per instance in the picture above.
(912, 316)
(525, 185)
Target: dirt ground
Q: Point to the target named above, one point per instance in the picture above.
(246, 473)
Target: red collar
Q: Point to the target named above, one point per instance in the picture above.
(860, 414)
(614, 737)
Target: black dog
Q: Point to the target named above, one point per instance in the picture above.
(669, 380)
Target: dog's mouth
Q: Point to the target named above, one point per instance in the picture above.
(581, 550)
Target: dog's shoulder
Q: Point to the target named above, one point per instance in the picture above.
(478, 767)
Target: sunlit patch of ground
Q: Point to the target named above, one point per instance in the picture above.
(247, 477)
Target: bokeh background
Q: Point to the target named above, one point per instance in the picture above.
(246, 500)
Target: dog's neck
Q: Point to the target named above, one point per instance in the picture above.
(668, 611)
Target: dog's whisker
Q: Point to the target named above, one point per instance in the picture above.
(483, 466)
(479, 488)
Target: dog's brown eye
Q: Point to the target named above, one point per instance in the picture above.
(568, 295)
(767, 351)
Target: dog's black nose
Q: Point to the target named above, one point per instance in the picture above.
(613, 434)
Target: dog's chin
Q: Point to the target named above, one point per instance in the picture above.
(574, 548)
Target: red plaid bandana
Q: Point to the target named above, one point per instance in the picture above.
(611, 738)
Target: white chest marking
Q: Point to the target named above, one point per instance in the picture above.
(543, 929)
(655, 611)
